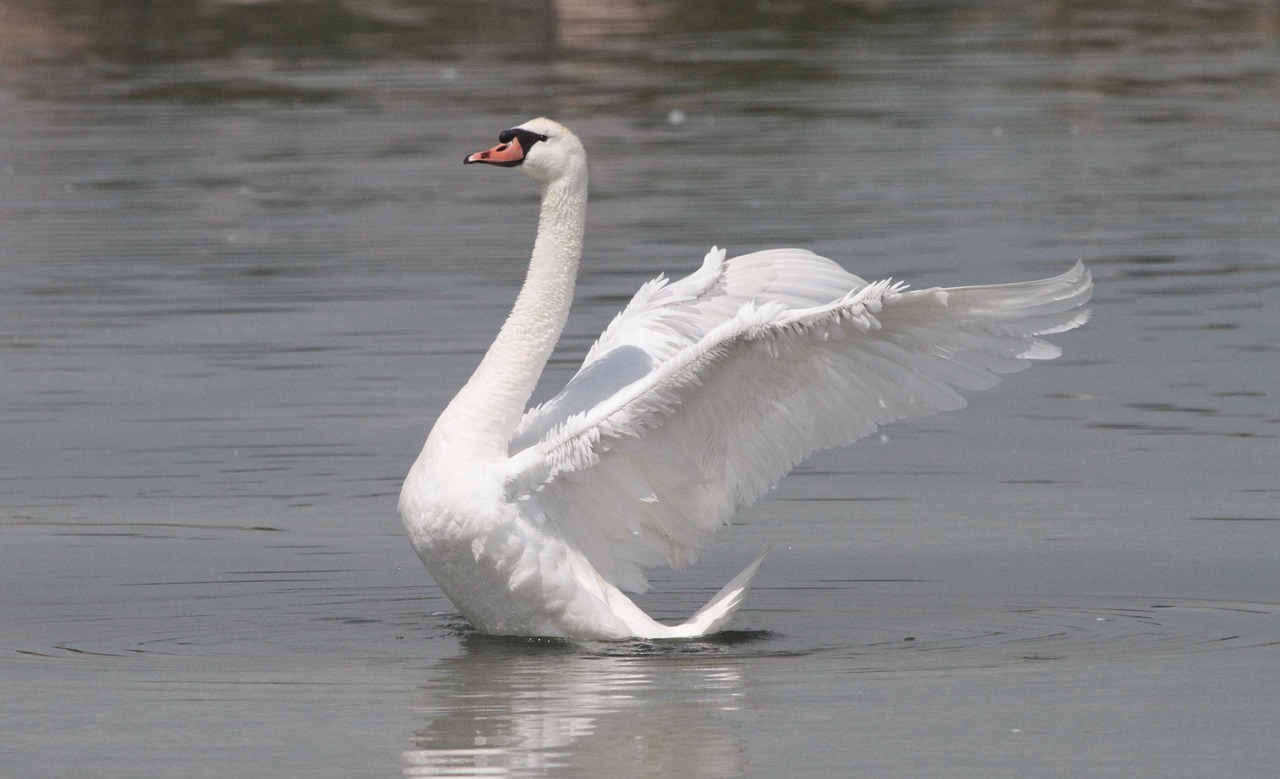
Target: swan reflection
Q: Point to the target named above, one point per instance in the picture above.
(506, 708)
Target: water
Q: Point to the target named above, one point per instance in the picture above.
(242, 269)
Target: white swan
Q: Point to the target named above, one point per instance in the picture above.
(696, 400)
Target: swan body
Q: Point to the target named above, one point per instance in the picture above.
(695, 401)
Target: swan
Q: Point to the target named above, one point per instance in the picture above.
(697, 398)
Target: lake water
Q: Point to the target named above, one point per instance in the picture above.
(242, 269)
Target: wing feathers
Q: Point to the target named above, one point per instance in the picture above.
(807, 357)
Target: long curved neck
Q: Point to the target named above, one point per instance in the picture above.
(484, 414)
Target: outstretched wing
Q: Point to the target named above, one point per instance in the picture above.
(665, 317)
(698, 401)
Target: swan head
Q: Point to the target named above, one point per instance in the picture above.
(543, 149)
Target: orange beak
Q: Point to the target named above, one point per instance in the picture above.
(506, 155)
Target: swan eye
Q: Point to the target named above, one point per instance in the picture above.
(527, 138)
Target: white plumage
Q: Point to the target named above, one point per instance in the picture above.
(695, 401)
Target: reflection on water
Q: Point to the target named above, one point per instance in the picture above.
(514, 708)
(528, 708)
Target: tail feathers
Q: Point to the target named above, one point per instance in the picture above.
(714, 616)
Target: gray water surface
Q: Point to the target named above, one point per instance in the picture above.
(242, 270)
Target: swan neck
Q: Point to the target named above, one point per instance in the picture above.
(484, 415)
